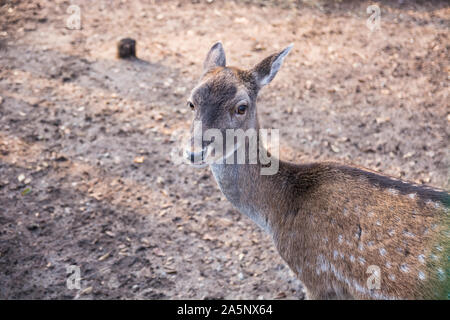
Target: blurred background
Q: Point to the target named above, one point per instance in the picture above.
(86, 177)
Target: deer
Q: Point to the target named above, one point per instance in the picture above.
(347, 232)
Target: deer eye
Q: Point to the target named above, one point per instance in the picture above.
(241, 109)
(191, 105)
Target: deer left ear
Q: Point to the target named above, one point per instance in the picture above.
(266, 70)
(215, 57)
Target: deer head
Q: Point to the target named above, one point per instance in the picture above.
(225, 98)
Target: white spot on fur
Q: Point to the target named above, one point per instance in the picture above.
(412, 195)
(404, 268)
(388, 265)
(362, 261)
(392, 277)
(391, 232)
(352, 283)
(361, 247)
(421, 258)
(340, 239)
(370, 244)
(323, 264)
(335, 254)
(441, 274)
(393, 191)
(421, 275)
(352, 258)
(438, 248)
(408, 234)
(378, 223)
(382, 252)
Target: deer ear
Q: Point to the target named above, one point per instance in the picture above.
(266, 70)
(215, 57)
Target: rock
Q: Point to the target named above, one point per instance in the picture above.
(126, 48)
(139, 159)
(160, 180)
(21, 177)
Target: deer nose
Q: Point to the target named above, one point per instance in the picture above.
(195, 157)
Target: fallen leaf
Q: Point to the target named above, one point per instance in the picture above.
(26, 191)
(158, 252)
(88, 290)
(334, 148)
(104, 257)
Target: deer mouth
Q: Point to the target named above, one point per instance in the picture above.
(197, 159)
(205, 158)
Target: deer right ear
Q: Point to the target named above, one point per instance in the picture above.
(266, 70)
(215, 58)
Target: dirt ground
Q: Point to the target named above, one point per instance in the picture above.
(86, 176)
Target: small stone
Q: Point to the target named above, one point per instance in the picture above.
(334, 148)
(382, 120)
(111, 234)
(408, 155)
(21, 177)
(126, 48)
(139, 159)
(160, 180)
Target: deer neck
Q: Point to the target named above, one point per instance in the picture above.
(260, 197)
